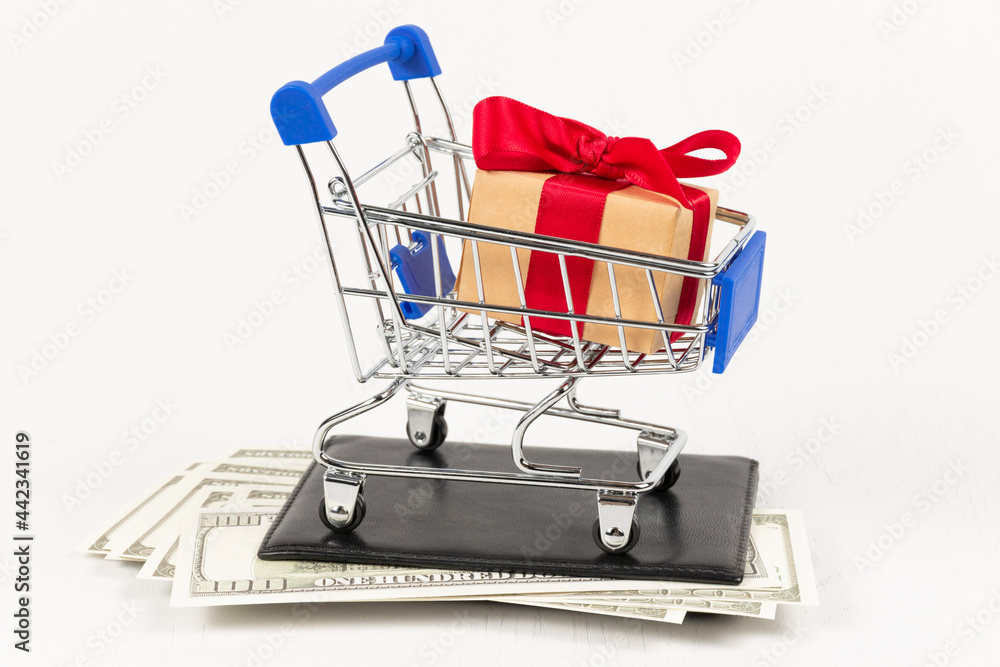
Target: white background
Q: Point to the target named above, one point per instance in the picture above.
(837, 103)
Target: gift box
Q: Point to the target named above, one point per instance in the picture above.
(557, 177)
(633, 219)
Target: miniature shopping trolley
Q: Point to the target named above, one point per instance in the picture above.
(403, 293)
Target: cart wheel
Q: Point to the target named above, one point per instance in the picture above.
(669, 478)
(359, 516)
(438, 432)
(625, 548)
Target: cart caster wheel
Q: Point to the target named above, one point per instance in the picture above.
(359, 516)
(625, 548)
(669, 478)
(428, 441)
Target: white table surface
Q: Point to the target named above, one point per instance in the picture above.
(835, 105)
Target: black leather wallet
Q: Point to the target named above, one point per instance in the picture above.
(696, 531)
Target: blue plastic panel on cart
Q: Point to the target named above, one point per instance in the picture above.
(739, 301)
(416, 272)
(298, 109)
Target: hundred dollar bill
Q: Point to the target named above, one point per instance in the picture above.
(217, 564)
(139, 542)
(163, 561)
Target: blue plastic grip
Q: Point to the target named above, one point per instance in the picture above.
(298, 110)
(418, 64)
(416, 273)
(739, 301)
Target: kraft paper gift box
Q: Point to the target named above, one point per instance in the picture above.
(633, 219)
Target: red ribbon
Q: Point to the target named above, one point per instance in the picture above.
(510, 135)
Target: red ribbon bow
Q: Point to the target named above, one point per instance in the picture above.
(510, 135)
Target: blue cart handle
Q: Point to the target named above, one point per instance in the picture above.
(298, 109)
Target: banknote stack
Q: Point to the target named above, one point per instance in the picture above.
(199, 529)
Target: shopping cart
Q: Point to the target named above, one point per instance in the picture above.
(424, 331)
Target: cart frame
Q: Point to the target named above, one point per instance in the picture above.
(457, 339)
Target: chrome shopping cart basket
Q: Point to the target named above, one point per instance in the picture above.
(403, 280)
